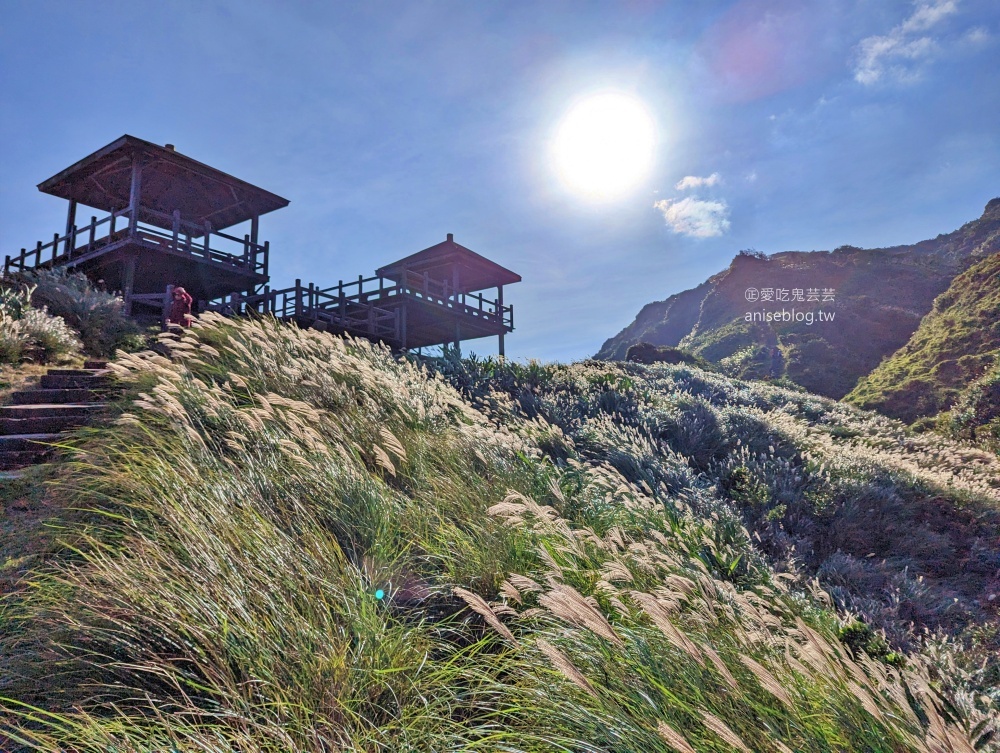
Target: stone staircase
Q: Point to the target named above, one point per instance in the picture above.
(35, 418)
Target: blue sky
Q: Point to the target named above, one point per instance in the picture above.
(780, 126)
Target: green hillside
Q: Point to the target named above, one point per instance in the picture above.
(878, 298)
(291, 542)
(956, 344)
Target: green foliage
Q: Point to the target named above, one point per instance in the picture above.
(858, 636)
(29, 333)
(97, 316)
(948, 361)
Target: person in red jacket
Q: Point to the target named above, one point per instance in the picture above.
(180, 307)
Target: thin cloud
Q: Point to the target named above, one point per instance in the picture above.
(693, 181)
(898, 56)
(695, 217)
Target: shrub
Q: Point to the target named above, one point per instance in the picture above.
(98, 316)
(31, 333)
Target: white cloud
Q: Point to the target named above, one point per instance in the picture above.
(693, 181)
(695, 217)
(897, 55)
(978, 36)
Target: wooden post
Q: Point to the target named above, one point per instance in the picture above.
(38, 253)
(135, 193)
(168, 298)
(208, 233)
(254, 227)
(55, 247)
(93, 234)
(298, 296)
(70, 227)
(502, 323)
(267, 246)
(111, 227)
(341, 302)
(402, 324)
(176, 227)
(246, 251)
(129, 282)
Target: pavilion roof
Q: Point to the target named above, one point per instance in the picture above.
(170, 181)
(442, 260)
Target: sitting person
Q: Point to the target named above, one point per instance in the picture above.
(180, 308)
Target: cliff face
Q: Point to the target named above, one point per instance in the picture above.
(759, 319)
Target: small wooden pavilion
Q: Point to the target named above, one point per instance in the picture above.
(453, 276)
(432, 297)
(164, 223)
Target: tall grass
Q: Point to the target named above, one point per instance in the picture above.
(224, 542)
(30, 333)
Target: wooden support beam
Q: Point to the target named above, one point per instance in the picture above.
(500, 311)
(135, 192)
(128, 282)
(176, 226)
(402, 326)
(254, 228)
(168, 299)
(70, 227)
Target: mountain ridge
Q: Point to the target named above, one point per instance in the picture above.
(881, 295)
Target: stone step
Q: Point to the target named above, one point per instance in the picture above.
(76, 372)
(30, 442)
(13, 459)
(40, 424)
(52, 381)
(47, 410)
(95, 364)
(29, 397)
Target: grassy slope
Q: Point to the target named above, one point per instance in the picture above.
(223, 543)
(954, 345)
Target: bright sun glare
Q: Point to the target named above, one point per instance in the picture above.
(604, 146)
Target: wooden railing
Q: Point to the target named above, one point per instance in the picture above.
(311, 304)
(375, 289)
(363, 307)
(185, 238)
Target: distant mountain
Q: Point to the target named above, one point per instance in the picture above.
(761, 317)
(955, 345)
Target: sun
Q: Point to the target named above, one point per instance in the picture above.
(604, 146)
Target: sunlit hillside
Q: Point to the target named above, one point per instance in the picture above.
(287, 541)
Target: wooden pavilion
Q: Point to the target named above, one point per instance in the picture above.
(165, 214)
(432, 297)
